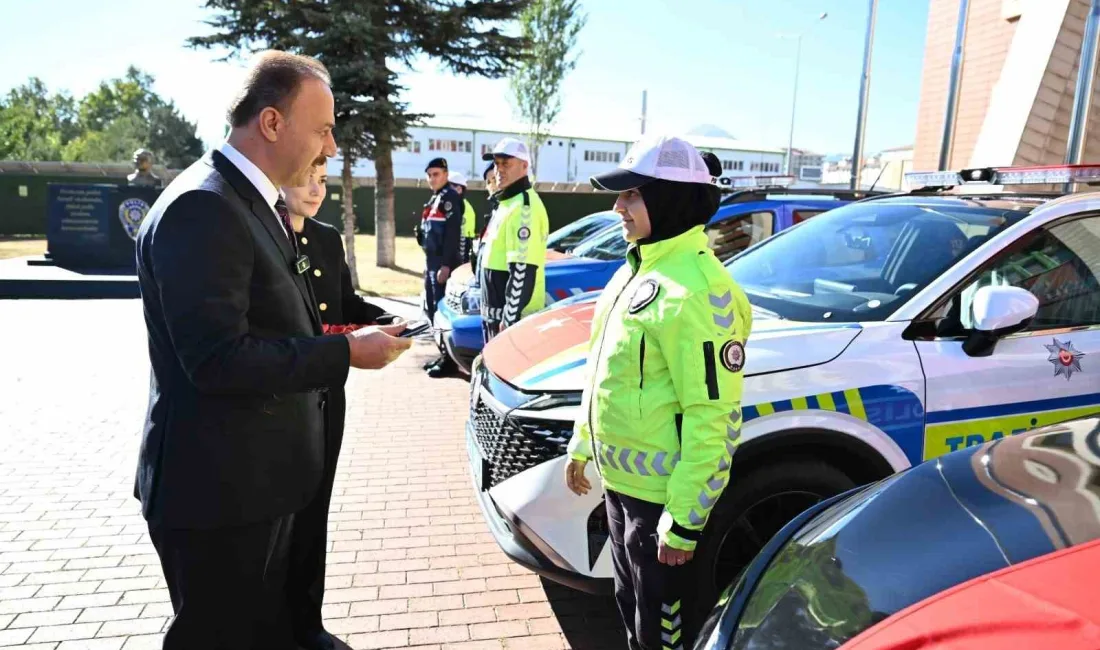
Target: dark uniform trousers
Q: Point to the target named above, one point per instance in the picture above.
(433, 290)
(650, 595)
(441, 239)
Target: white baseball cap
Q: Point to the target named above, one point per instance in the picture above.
(457, 178)
(657, 157)
(510, 147)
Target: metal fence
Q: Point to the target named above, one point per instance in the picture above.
(23, 196)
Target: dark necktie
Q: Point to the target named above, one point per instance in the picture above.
(284, 216)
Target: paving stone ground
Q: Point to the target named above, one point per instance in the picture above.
(411, 563)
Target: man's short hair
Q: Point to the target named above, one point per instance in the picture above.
(273, 80)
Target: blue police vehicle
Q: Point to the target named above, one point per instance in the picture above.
(596, 250)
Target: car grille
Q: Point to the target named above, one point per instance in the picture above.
(513, 445)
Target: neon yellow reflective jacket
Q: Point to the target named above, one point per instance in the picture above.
(661, 412)
(514, 240)
(469, 221)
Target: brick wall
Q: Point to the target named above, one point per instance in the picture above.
(1047, 130)
(988, 37)
(991, 27)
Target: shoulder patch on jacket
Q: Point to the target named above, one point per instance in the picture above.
(733, 356)
(643, 295)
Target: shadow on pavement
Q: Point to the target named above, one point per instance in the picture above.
(407, 271)
(588, 622)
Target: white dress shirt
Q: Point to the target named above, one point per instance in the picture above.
(259, 180)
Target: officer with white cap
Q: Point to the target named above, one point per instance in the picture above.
(661, 411)
(512, 257)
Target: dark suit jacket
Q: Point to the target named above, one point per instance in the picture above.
(235, 426)
(330, 277)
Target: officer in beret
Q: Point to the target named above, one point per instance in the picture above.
(441, 239)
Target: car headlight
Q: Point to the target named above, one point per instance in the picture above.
(554, 400)
(471, 301)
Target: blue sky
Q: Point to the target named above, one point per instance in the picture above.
(721, 62)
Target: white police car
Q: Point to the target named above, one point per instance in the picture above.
(888, 331)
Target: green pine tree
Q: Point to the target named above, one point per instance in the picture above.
(364, 44)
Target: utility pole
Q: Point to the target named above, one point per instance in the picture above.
(644, 93)
(953, 84)
(1082, 97)
(864, 91)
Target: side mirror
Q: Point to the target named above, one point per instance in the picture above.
(998, 312)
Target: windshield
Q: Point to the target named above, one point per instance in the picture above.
(608, 245)
(568, 236)
(862, 261)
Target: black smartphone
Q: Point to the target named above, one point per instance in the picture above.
(414, 328)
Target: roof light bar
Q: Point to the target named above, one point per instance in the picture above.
(1059, 174)
(933, 179)
(750, 182)
(1044, 175)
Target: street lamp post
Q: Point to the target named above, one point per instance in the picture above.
(864, 90)
(794, 97)
(953, 86)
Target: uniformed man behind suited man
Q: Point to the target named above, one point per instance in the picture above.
(342, 310)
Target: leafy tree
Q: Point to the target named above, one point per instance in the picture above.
(106, 125)
(363, 43)
(131, 95)
(35, 125)
(125, 114)
(552, 27)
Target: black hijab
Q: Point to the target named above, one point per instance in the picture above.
(675, 208)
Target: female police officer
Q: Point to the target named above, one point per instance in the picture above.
(341, 309)
(661, 412)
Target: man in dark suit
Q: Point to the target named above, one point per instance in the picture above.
(233, 442)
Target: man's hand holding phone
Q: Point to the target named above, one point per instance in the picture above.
(376, 347)
(415, 329)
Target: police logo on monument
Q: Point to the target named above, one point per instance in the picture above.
(130, 213)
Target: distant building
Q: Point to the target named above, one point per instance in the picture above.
(562, 158)
(884, 170)
(806, 165)
(895, 164)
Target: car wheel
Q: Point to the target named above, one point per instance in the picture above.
(753, 508)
